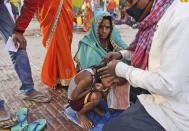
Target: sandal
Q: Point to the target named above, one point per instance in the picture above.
(1, 129)
(37, 125)
(8, 115)
(35, 98)
(8, 123)
(21, 116)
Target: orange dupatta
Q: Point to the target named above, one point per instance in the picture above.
(58, 64)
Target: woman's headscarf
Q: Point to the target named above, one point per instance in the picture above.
(90, 52)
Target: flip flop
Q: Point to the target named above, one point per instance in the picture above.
(37, 125)
(1, 129)
(35, 98)
(7, 124)
(8, 121)
(21, 116)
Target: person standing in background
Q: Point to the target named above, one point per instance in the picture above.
(112, 7)
(88, 15)
(56, 23)
(20, 61)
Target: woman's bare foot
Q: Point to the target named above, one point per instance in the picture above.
(99, 110)
(84, 121)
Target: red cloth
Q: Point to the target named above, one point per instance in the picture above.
(28, 10)
(143, 40)
(77, 105)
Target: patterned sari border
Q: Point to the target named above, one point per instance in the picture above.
(54, 24)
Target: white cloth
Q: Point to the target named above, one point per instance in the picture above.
(10, 45)
(167, 75)
(127, 55)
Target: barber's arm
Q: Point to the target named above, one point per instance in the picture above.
(172, 76)
(123, 54)
(28, 10)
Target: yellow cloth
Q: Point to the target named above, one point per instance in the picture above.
(77, 3)
(79, 20)
(15, 2)
(184, 0)
(117, 2)
(86, 98)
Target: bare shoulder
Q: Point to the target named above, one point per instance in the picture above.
(86, 75)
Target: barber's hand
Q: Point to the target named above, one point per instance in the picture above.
(109, 70)
(108, 82)
(112, 55)
(17, 37)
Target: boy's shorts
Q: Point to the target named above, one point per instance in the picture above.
(77, 105)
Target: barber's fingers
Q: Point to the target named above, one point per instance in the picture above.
(109, 83)
(111, 78)
(103, 69)
(108, 56)
(105, 76)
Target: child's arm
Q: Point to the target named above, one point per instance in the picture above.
(82, 89)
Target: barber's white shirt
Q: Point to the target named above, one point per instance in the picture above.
(167, 75)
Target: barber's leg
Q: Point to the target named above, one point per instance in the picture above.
(135, 118)
(20, 59)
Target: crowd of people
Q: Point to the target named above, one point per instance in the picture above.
(151, 72)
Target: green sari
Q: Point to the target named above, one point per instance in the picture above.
(90, 52)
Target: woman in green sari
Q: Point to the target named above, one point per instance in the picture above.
(102, 38)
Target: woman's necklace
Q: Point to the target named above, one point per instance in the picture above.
(105, 46)
(107, 49)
